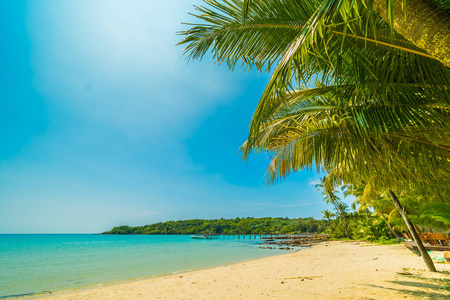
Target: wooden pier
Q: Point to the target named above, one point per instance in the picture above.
(263, 236)
(211, 236)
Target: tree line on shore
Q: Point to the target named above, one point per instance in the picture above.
(228, 226)
(357, 222)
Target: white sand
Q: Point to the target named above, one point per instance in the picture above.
(337, 270)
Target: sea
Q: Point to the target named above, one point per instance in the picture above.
(34, 264)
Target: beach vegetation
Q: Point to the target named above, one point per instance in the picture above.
(375, 218)
(228, 226)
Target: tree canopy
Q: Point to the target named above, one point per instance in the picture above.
(227, 226)
(379, 110)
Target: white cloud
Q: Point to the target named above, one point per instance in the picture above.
(314, 182)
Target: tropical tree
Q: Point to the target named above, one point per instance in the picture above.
(379, 112)
(426, 23)
(290, 34)
(330, 196)
(366, 197)
(328, 215)
(429, 209)
(423, 22)
(328, 192)
(304, 133)
(436, 215)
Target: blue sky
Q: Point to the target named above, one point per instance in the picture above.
(103, 123)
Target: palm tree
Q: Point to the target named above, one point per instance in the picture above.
(366, 196)
(436, 215)
(327, 215)
(328, 192)
(429, 209)
(425, 23)
(380, 111)
(262, 34)
(342, 207)
(304, 133)
(330, 197)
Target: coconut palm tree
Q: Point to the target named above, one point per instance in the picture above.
(425, 23)
(264, 34)
(436, 215)
(328, 215)
(330, 196)
(366, 197)
(379, 112)
(309, 132)
(428, 209)
(328, 192)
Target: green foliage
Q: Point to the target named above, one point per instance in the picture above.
(380, 109)
(436, 214)
(379, 112)
(373, 213)
(361, 226)
(228, 226)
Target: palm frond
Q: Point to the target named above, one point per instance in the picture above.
(436, 215)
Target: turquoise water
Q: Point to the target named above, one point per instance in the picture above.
(35, 263)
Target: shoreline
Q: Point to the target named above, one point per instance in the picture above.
(45, 294)
(60, 263)
(329, 270)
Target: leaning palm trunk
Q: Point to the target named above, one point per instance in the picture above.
(426, 258)
(423, 24)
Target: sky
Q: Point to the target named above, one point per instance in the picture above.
(103, 122)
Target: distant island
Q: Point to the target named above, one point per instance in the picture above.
(227, 226)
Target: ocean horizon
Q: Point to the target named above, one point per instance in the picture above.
(33, 264)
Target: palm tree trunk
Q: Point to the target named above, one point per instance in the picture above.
(423, 24)
(426, 258)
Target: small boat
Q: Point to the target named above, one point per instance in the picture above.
(199, 236)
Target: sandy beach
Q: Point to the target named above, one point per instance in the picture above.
(330, 270)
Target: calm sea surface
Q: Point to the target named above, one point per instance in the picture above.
(35, 263)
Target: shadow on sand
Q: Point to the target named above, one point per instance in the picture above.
(422, 287)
